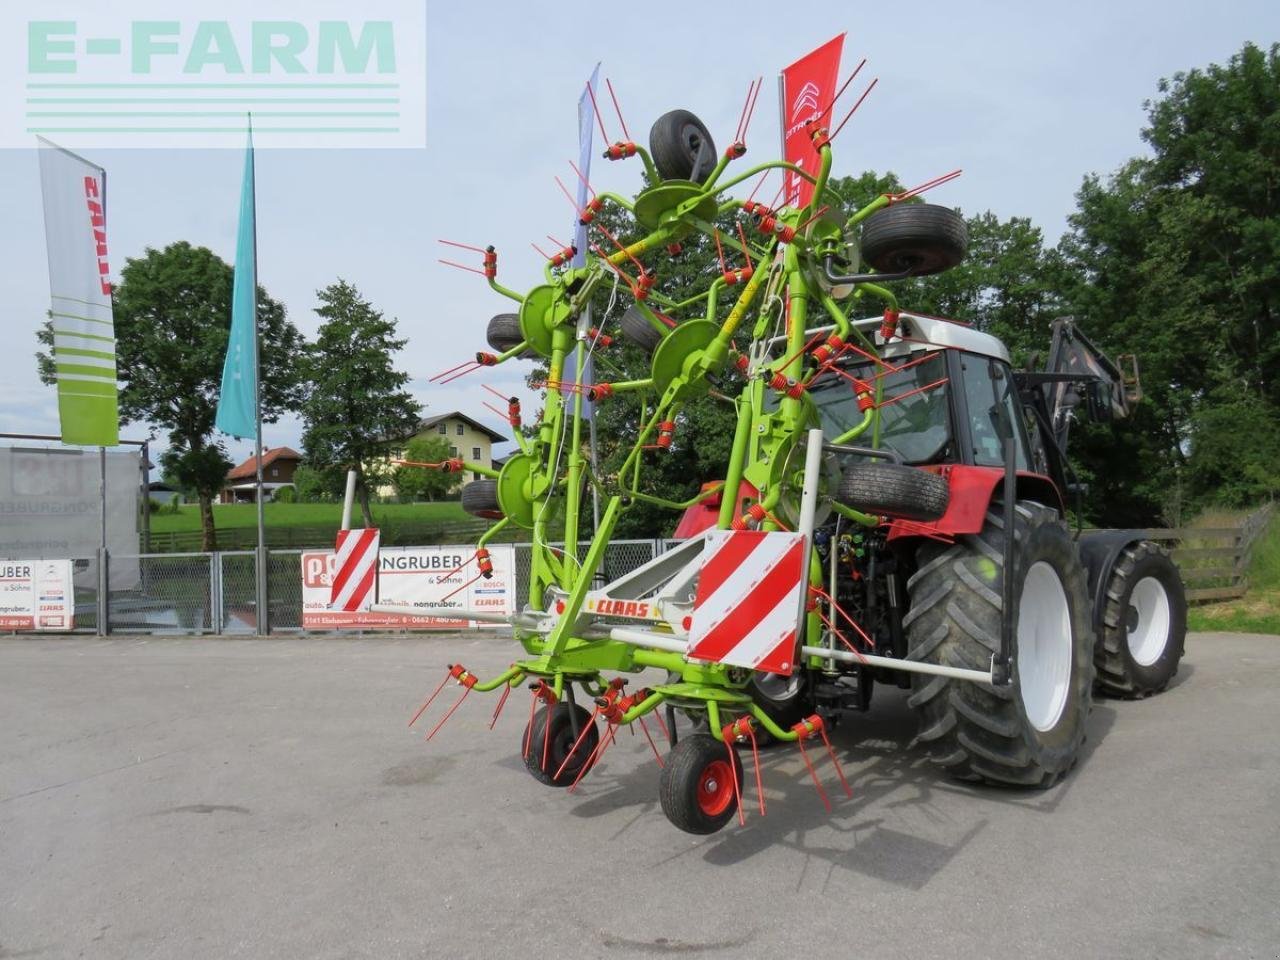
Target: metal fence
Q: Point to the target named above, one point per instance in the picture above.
(213, 593)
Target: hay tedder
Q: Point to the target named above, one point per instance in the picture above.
(892, 510)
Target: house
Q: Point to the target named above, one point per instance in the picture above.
(278, 467)
(468, 439)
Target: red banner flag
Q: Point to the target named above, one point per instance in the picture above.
(807, 88)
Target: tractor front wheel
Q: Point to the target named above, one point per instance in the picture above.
(1144, 623)
(696, 786)
(558, 743)
(1027, 733)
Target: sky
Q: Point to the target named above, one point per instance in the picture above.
(1026, 97)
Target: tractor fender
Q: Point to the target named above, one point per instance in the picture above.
(971, 491)
(1099, 552)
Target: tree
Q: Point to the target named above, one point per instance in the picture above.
(417, 483)
(318, 486)
(355, 405)
(1174, 259)
(172, 317)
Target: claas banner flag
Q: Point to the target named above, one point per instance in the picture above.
(84, 340)
(808, 86)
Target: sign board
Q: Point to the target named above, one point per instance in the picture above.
(36, 595)
(421, 577)
(51, 508)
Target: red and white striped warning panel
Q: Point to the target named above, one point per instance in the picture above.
(355, 576)
(750, 599)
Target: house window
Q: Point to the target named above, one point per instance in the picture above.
(442, 429)
(462, 429)
(475, 453)
(475, 476)
(275, 471)
(453, 451)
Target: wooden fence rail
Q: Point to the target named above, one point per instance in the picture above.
(1214, 560)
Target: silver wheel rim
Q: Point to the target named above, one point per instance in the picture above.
(1044, 646)
(1150, 615)
(777, 687)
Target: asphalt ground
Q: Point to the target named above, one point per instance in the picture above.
(212, 798)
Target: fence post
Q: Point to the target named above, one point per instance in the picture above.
(104, 593)
(216, 607)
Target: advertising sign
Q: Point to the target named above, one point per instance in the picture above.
(421, 577)
(36, 595)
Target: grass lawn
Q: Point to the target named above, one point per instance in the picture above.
(1258, 611)
(231, 516)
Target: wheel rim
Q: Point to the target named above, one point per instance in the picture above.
(1044, 646)
(715, 788)
(1149, 619)
(777, 687)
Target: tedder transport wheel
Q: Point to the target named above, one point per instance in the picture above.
(1144, 623)
(695, 786)
(556, 744)
(638, 330)
(480, 499)
(894, 490)
(921, 238)
(681, 147)
(1029, 732)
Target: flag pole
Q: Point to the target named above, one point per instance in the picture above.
(261, 598)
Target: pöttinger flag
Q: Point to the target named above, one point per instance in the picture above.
(84, 343)
(237, 402)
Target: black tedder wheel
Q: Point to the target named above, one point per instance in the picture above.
(921, 238)
(480, 499)
(894, 490)
(504, 332)
(695, 788)
(681, 147)
(1027, 733)
(1144, 623)
(555, 745)
(637, 329)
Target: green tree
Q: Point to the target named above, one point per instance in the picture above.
(1175, 259)
(318, 486)
(355, 404)
(416, 483)
(172, 316)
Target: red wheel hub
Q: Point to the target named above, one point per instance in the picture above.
(715, 788)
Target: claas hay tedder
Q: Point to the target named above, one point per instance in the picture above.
(893, 510)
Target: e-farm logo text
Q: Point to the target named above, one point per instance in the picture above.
(145, 79)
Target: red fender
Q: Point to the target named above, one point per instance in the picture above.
(971, 491)
(703, 516)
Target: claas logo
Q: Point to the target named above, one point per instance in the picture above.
(605, 607)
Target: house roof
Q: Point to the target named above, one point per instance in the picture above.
(430, 422)
(249, 468)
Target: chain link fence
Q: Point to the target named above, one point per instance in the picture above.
(214, 593)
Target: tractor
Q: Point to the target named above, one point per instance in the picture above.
(894, 509)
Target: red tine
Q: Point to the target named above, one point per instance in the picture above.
(844, 86)
(720, 252)
(445, 718)
(582, 178)
(927, 185)
(865, 92)
(813, 773)
(542, 253)
(652, 745)
(912, 393)
(746, 251)
(848, 791)
(576, 743)
(617, 110)
(450, 263)
(422, 709)
(568, 196)
(759, 183)
(596, 110)
(462, 246)
(502, 702)
(733, 776)
(742, 137)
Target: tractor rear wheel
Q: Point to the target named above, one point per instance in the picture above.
(549, 741)
(1144, 623)
(1027, 733)
(696, 784)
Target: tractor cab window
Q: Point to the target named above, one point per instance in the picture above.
(914, 411)
(992, 402)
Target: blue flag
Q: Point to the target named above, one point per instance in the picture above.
(586, 128)
(237, 403)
